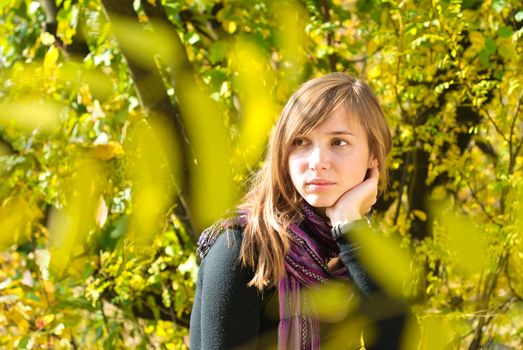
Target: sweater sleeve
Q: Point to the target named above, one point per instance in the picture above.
(387, 316)
(226, 312)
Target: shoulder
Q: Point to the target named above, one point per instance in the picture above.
(225, 251)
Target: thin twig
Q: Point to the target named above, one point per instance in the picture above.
(402, 185)
(474, 195)
(496, 126)
(514, 292)
(513, 155)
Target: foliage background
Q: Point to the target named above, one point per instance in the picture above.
(128, 127)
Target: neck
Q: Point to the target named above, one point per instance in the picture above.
(323, 213)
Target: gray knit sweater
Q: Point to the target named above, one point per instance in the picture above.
(227, 314)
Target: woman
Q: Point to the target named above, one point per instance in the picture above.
(325, 160)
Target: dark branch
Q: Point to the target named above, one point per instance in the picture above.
(326, 19)
(78, 48)
(154, 98)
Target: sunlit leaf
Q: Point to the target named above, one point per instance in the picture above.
(44, 321)
(467, 243)
(16, 216)
(436, 333)
(70, 227)
(153, 167)
(386, 261)
(291, 39)
(30, 114)
(143, 46)
(75, 74)
(254, 81)
(331, 302)
(107, 151)
(213, 189)
(101, 212)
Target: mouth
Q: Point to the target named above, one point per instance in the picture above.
(316, 185)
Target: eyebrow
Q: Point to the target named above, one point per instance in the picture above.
(341, 133)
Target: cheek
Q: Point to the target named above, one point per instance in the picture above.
(354, 171)
(296, 170)
(293, 169)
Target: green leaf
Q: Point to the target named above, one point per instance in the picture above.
(519, 16)
(23, 343)
(484, 57)
(217, 51)
(490, 45)
(505, 32)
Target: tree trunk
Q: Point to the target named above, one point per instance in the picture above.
(155, 100)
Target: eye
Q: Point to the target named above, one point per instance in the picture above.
(299, 141)
(339, 142)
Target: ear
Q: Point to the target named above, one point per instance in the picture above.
(373, 161)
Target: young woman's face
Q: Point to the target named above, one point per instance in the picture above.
(330, 160)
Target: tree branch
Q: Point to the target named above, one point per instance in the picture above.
(496, 126)
(477, 200)
(154, 98)
(513, 154)
(78, 47)
(510, 286)
(327, 18)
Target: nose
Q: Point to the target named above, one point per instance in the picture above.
(318, 159)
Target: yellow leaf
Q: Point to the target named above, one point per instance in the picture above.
(466, 243)
(108, 151)
(259, 108)
(331, 302)
(436, 333)
(420, 215)
(15, 214)
(50, 59)
(152, 160)
(47, 38)
(44, 321)
(69, 227)
(101, 213)
(507, 50)
(31, 114)
(385, 260)
(374, 72)
(476, 38)
(372, 46)
(230, 26)
(4, 149)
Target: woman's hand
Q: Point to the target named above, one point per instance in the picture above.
(356, 201)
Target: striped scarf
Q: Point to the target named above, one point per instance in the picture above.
(306, 267)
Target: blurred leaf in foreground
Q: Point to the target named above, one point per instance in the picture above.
(331, 302)
(213, 191)
(255, 80)
(436, 333)
(466, 243)
(71, 226)
(15, 216)
(30, 114)
(152, 167)
(386, 261)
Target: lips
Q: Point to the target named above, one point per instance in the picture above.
(319, 182)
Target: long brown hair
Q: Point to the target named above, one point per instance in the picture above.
(272, 202)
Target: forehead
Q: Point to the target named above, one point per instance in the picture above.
(340, 119)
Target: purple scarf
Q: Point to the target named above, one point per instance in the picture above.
(306, 265)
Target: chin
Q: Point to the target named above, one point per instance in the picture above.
(319, 202)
